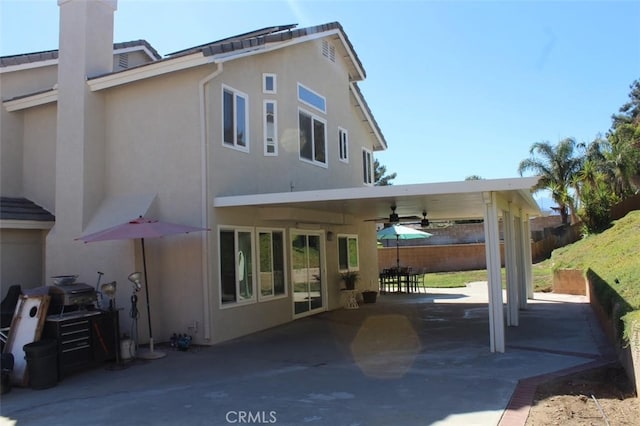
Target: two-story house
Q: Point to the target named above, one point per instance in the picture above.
(264, 138)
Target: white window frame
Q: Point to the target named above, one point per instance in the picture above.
(240, 301)
(349, 267)
(313, 92)
(272, 296)
(236, 94)
(367, 167)
(265, 90)
(343, 145)
(273, 143)
(326, 153)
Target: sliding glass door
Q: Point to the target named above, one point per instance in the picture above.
(307, 260)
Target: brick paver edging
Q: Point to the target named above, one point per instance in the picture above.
(518, 408)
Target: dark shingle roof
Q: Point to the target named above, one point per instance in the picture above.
(25, 58)
(263, 36)
(23, 209)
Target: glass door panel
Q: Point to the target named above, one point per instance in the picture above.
(306, 253)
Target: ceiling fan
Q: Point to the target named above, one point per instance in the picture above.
(424, 222)
(393, 217)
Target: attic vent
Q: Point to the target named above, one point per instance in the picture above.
(328, 50)
(123, 60)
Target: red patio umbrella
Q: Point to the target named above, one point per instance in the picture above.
(141, 228)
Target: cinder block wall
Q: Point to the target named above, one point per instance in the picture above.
(454, 257)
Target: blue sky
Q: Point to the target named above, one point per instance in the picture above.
(458, 88)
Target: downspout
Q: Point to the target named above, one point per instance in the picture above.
(204, 165)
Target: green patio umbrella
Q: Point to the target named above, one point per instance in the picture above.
(400, 232)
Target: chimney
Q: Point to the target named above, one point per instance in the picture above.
(85, 51)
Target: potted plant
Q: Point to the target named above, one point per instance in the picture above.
(349, 278)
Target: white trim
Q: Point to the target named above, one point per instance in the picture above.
(237, 54)
(249, 301)
(236, 93)
(32, 101)
(326, 148)
(25, 224)
(285, 271)
(369, 118)
(275, 128)
(148, 70)
(323, 271)
(390, 191)
(324, 99)
(29, 65)
(368, 156)
(341, 131)
(264, 83)
(348, 236)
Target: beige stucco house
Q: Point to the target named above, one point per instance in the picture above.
(264, 138)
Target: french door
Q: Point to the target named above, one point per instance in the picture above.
(307, 260)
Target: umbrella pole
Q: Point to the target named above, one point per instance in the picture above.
(151, 354)
(398, 262)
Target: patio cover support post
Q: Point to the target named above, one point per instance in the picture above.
(521, 241)
(492, 250)
(511, 265)
(527, 260)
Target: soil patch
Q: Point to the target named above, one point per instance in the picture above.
(601, 396)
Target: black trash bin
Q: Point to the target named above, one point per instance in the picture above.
(42, 363)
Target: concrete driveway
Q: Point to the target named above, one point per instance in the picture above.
(405, 360)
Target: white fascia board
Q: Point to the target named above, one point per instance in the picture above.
(31, 101)
(361, 73)
(28, 66)
(148, 71)
(365, 111)
(25, 224)
(237, 54)
(136, 48)
(361, 193)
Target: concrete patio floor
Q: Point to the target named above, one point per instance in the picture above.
(416, 359)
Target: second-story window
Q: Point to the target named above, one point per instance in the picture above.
(367, 167)
(270, 128)
(269, 83)
(313, 138)
(343, 145)
(312, 98)
(235, 119)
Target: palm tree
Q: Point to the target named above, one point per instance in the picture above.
(557, 166)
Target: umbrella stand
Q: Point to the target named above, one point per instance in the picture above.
(151, 354)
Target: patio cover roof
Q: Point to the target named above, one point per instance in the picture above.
(441, 200)
(472, 199)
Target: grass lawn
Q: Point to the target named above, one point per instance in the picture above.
(542, 278)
